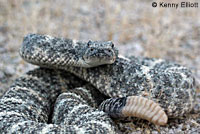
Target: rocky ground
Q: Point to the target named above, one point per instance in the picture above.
(134, 26)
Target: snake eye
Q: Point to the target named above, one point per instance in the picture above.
(112, 45)
(91, 49)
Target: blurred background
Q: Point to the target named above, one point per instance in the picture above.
(134, 26)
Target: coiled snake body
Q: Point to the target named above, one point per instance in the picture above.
(82, 75)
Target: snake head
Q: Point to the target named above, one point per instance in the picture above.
(99, 53)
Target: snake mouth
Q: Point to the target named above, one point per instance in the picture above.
(92, 62)
(98, 59)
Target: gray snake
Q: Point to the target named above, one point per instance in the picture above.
(79, 69)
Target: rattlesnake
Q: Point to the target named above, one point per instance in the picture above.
(26, 106)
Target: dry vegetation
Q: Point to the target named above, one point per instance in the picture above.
(135, 26)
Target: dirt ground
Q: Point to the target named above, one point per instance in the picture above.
(135, 27)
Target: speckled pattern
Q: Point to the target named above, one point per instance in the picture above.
(169, 84)
(44, 50)
(29, 103)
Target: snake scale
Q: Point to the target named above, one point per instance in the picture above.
(77, 81)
